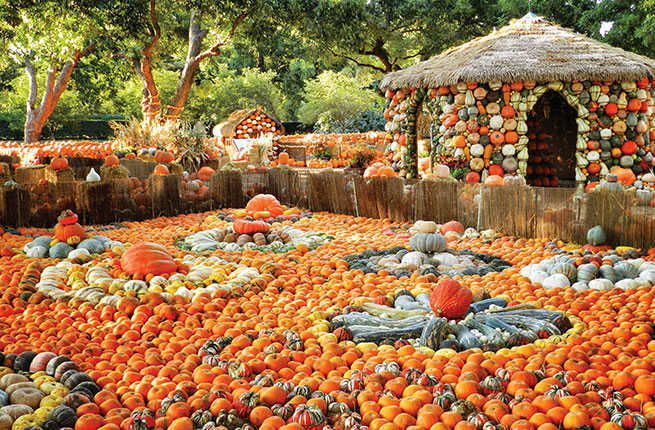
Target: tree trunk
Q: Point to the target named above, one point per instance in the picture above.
(196, 36)
(150, 102)
(36, 116)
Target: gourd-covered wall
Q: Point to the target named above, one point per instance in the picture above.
(484, 128)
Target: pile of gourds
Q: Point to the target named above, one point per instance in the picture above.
(592, 272)
(277, 240)
(42, 390)
(428, 254)
(255, 125)
(93, 282)
(488, 324)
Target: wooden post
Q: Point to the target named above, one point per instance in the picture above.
(226, 189)
(93, 201)
(14, 206)
(165, 194)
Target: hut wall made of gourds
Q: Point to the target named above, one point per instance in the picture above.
(484, 127)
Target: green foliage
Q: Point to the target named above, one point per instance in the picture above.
(222, 91)
(363, 155)
(336, 100)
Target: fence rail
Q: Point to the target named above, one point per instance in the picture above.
(516, 210)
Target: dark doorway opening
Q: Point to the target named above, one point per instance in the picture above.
(552, 131)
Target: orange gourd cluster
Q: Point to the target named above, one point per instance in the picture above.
(262, 356)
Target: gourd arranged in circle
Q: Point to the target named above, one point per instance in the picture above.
(42, 390)
(447, 318)
(255, 235)
(70, 241)
(591, 271)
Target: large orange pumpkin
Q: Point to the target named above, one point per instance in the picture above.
(147, 258)
(161, 169)
(265, 202)
(112, 161)
(67, 229)
(205, 173)
(242, 226)
(164, 157)
(59, 163)
(450, 299)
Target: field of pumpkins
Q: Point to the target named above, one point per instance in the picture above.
(273, 317)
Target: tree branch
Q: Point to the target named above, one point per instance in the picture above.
(359, 63)
(34, 89)
(215, 49)
(155, 30)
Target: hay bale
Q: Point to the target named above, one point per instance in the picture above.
(226, 189)
(139, 168)
(165, 194)
(115, 172)
(59, 176)
(93, 202)
(30, 175)
(14, 206)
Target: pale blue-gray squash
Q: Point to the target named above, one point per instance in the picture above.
(428, 242)
(587, 272)
(60, 250)
(596, 236)
(625, 270)
(566, 269)
(92, 245)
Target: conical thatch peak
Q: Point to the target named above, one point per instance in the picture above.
(530, 48)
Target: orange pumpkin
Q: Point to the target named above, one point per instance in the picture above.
(147, 258)
(265, 202)
(242, 226)
(283, 158)
(67, 229)
(164, 157)
(450, 299)
(161, 170)
(112, 161)
(59, 163)
(205, 173)
(494, 180)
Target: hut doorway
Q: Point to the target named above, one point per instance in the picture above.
(552, 131)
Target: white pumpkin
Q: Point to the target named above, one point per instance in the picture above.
(580, 286)
(626, 284)
(77, 253)
(648, 275)
(471, 233)
(413, 260)
(601, 284)
(556, 281)
(445, 259)
(37, 252)
(538, 277)
(425, 226)
(93, 176)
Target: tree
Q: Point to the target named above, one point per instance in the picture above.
(51, 35)
(225, 17)
(386, 35)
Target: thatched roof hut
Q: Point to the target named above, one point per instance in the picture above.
(530, 48)
(531, 99)
(238, 123)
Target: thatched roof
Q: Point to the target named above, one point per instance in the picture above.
(228, 127)
(529, 48)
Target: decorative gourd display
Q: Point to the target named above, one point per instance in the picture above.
(68, 230)
(450, 299)
(262, 203)
(147, 258)
(242, 226)
(428, 242)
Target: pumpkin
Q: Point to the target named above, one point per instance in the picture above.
(161, 170)
(27, 396)
(23, 361)
(147, 258)
(164, 157)
(205, 173)
(59, 163)
(63, 415)
(413, 260)
(112, 161)
(4, 398)
(428, 242)
(242, 226)
(596, 236)
(75, 379)
(265, 202)
(54, 363)
(68, 230)
(16, 411)
(92, 245)
(449, 299)
(454, 226)
(472, 177)
(40, 361)
(93, 176)
(60, 250)
(425, 226)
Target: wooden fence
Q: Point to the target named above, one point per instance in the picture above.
(516, 210)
